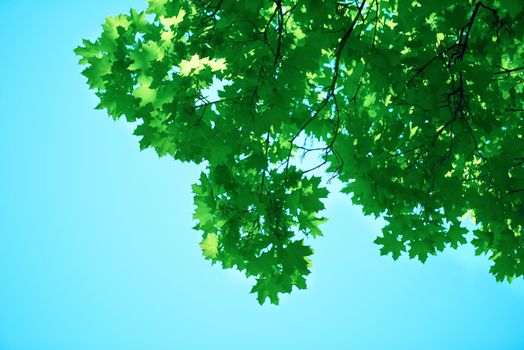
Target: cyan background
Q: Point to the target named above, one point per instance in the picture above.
(97, 249)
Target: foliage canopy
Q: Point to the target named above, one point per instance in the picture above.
(415, 106)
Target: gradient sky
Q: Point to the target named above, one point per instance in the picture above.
(97, 249)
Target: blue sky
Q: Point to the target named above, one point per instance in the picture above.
(97, 249)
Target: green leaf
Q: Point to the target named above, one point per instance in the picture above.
(210, 246)
(390, 244)
(144, 91)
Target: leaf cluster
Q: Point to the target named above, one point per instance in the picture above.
(416, 107)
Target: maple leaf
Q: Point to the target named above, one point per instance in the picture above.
(390, 244)
(210, 246)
